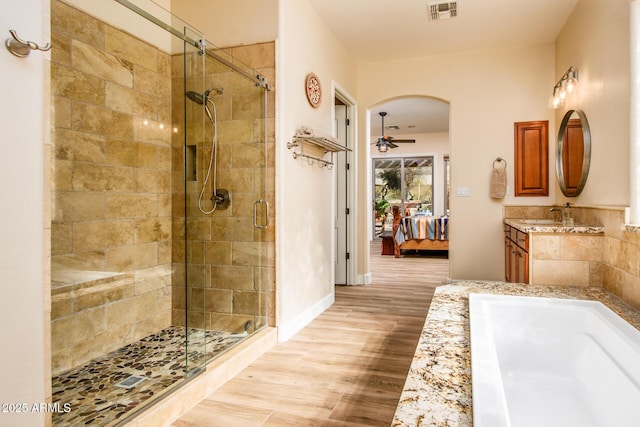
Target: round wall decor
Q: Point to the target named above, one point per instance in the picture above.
(314, 90)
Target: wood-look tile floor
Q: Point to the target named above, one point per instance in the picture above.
(347, 367)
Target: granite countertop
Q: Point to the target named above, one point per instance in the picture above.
(543, 226)
(437, 391)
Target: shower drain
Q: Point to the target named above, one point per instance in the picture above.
(131, 381)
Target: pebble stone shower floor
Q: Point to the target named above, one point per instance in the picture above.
(91, 390)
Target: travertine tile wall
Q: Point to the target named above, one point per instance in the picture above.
(619, 270)
(566, 259)
(111, 184)
(229, 263)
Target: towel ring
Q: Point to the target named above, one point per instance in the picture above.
(499, 160)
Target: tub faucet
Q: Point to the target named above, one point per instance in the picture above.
(556, 210)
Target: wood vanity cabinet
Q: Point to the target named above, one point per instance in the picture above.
(516, 255)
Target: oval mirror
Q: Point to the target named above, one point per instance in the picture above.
(574, 152)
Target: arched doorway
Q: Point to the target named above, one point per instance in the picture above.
(408, 161)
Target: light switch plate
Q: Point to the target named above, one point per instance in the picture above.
(462, 191)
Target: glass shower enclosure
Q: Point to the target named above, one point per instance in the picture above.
(160, 214)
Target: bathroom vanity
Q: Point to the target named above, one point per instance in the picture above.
(516, 255)
(544, 252)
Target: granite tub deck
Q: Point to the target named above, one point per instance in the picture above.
(437, 391)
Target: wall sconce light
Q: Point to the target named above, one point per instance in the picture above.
(566, 86)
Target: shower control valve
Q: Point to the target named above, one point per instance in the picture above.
(221, 198)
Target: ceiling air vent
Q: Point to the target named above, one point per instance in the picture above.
(442, 10)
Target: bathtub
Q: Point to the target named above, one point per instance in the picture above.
(552, 362)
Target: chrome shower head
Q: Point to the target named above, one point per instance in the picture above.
(196, 97)
(201, 99)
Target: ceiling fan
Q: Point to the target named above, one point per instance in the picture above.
(385, 141)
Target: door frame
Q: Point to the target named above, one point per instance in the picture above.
(351, 186)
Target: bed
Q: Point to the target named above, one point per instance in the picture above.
(419, 232)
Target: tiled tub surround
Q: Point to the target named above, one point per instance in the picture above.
(620, 250)
(437, 391)
(161, 358)
(560, 255)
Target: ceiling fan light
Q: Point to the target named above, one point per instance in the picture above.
(382, 148)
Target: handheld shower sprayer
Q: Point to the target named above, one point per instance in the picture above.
(195, 97)
(218, 198)
(203, 98)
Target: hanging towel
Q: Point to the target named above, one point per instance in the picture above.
(498, 183)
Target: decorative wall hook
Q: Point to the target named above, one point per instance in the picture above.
(22, 48)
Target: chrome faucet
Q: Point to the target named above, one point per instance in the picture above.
(556, 210)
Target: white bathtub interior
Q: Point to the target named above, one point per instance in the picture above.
(552, 362)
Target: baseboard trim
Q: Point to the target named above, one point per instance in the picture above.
(364, 279)
(288, 330)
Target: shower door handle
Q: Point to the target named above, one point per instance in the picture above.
(266, 214)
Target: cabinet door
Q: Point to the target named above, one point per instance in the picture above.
(531, 149)
(513, 262)
(522, 265)
(507, 260)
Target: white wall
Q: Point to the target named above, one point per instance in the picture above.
(488, 91)
(24, 298)
(231, 23)
(305, 193)
(596, 41)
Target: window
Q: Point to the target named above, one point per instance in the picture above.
(406, 182)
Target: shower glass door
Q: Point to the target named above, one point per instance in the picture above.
(235, 251)
(221, 233)
(191, 217)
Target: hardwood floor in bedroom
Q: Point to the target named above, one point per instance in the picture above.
(347, 367)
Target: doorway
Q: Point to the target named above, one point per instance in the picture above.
(344, 213)
(413, 138)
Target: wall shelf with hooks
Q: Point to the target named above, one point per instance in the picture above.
(325, 144)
